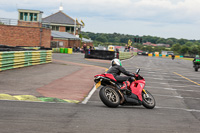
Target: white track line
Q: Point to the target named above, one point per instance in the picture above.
(180, 97)
(89, 95)
(189, 110)
(172, 89)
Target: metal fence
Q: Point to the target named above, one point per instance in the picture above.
(7, 21)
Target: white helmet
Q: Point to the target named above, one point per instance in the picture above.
(116, 62)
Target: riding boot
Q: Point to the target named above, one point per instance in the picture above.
(126, 85)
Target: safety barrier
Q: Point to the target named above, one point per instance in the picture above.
(34, 48)
(100, 54)
(16, 59)
(164, 56)
(62, 50)
(108, 55)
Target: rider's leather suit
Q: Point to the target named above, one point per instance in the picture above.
(116, 70)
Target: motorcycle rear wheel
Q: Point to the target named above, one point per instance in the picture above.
(196, 69)
(148, 102)
(109, 96)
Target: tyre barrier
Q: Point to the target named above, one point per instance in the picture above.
(62, 50)
(34, 98)
(17, 59)
(34, 48)
(164, 56)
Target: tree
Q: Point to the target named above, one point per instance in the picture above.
(170, 42)
(150, 49)
(176, 48)
(161, 40)
(124, 40)
(199, 49)
(188, 43)
(194, 50)
(184, 49)
(102, 39)
(182, 41)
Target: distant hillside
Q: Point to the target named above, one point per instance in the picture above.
(179, 46)
(123, 38)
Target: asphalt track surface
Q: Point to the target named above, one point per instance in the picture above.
(174, 84)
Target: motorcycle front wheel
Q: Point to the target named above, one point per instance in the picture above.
(109, 96)
(148, 100)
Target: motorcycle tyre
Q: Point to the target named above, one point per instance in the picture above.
(145, 104)
(196, 69)
(105, 100)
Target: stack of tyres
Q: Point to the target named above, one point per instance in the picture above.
(69, 50)
(56, 50)
(61, 50)
(66, 50)
(17, 59)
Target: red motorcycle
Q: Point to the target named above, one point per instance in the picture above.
(112, 95)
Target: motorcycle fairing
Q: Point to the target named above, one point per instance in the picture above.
(137, 87)
(107, 75)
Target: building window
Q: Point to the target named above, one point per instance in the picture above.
(25, 16)
(31, 17)
(46, 26)
(68, 29)
(21, 15)
(28, 16)
(72, 29)
(35, 16)
(56, 28)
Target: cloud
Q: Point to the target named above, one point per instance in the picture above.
(171, 11)
(156, 17)
(10, 15)
(133, 27)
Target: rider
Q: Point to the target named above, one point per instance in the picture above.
(196, 58)
(116, 69)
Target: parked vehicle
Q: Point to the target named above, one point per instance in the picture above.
(112, 95)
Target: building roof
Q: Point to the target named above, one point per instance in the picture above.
(60, 18)
(63, 35)
(31, 11)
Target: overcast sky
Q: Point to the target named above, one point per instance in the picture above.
(162, 18)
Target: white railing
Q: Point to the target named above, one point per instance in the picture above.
(7, 21)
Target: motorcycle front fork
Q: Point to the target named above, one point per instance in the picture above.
(145, 93)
